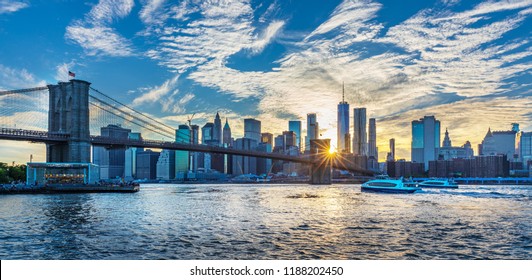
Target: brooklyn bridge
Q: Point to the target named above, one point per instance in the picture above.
(62, 116)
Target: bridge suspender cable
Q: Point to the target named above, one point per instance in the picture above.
(153, 130)
(5, 92)
(140, 113)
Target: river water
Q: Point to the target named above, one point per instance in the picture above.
(269, 222)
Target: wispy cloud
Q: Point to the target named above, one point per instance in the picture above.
(9, 6)
(95, 36)
(11, 78)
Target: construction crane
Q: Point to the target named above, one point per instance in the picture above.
(190, 120)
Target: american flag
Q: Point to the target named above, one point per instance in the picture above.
(71, 74)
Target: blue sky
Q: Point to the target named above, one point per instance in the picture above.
(467, 62)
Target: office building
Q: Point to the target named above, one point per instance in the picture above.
(166, 165)
(243, 164)
(130, 164)
(500, 143)
(252, 129)
(266, 137)
(194, 156)
(227, 134)
(391, 156)
(343, 136)
(373, 153)
(182, 158)
(295, 126)
(217, 133)
(313, 130)
(360, 141)
(525, 149)
(147, 165)
(111, 160)
(425, 140)
(448, 152)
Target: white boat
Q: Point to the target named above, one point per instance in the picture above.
(388, 186)
(438, 183)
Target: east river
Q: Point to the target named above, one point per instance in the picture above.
(269, 222)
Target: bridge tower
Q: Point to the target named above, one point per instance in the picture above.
(320, 172)
(69, 114)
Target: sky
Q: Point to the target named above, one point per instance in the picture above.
(468, 63)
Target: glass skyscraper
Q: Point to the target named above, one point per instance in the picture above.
(360, 141)
(313, 130)
(425, 140)
(343, 137)
(252, 129)
(295, 126)
(182, 135)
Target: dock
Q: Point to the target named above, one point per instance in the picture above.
(68, 188)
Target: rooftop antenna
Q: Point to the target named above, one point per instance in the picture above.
(343, 92)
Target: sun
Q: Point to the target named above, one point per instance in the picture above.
(332, 150)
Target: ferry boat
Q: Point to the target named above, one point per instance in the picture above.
(388, 186)
(438, 183)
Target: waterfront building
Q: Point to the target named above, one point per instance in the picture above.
(448, 152)
(490, 166)
(194, 156)
(252, 129)
(264, 165)
(425, 140)
(373, 153)
(402, 168)
(182, 158)
(166, 165)
(313, 130)
(111, 160)
(266, 137)
(359, 132)
(147, 164)
(500, 143)
(130, 164)
(227, 134)
(243, 164)
(525, 149)
(207, 138)
(343, 137)
(295, 126)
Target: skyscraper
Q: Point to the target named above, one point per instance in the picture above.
(446, 140)
(194, 139)
(392, 149)
(182, 135)
(313, 130)
(252, 130)
(425, 140)
(359, 132)
(373, 153)
(227, 134)
(295, 126)
(344, 138)
(217, 129)
(112, 160)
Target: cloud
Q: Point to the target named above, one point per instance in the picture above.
(8, 6)
(62, 71)
(438, 60)
(11, 78)
(99, 40)
(95, 36)
(155, 94)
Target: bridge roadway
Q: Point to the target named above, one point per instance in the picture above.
(36, 136)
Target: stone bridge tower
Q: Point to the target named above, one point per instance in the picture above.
(69, 114)
(320, 172)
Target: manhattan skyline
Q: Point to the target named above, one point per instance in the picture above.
(465, 62)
